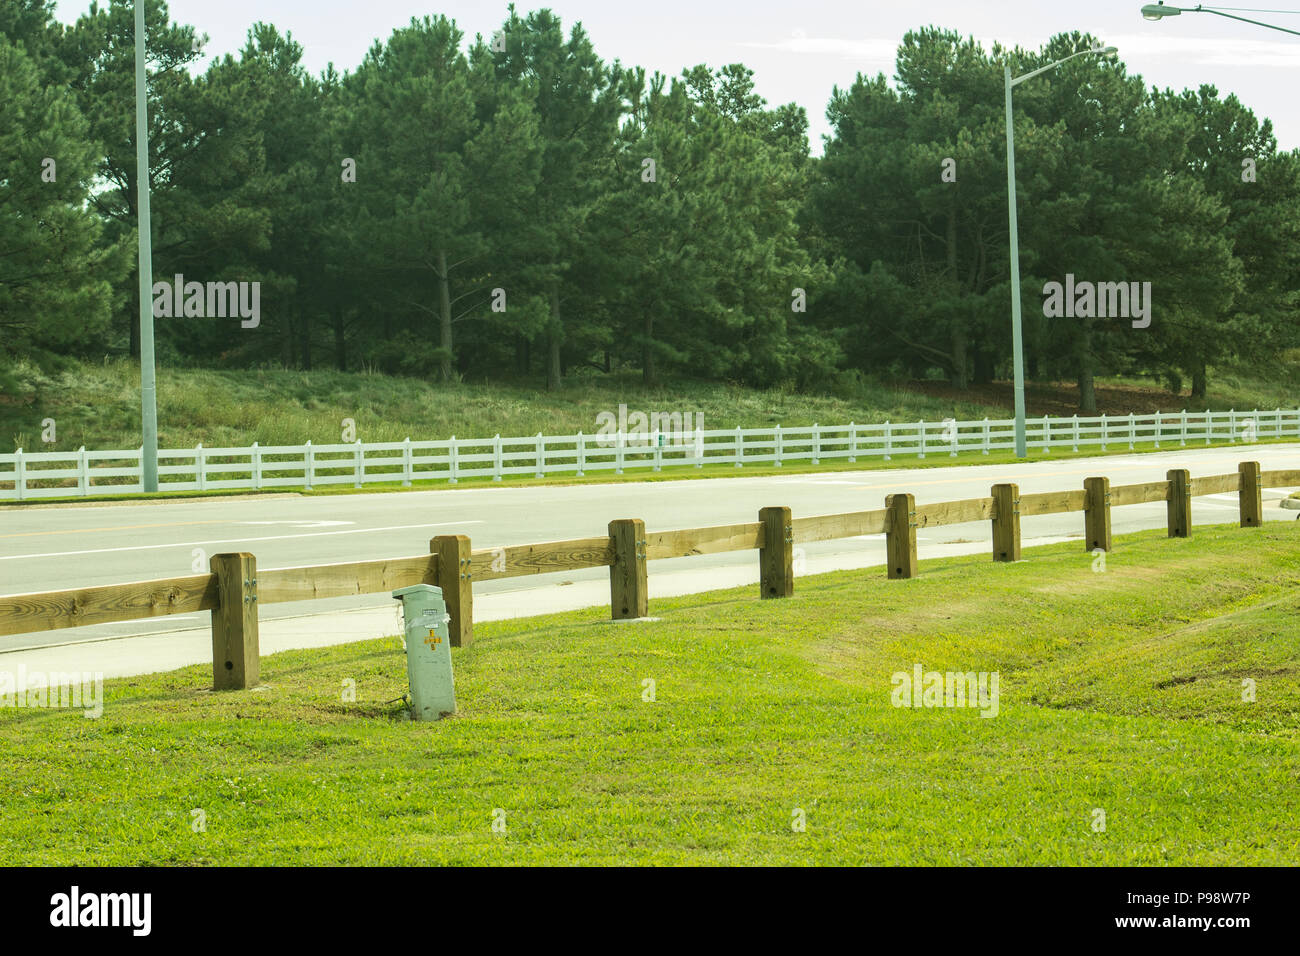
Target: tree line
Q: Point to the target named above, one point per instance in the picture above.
(514, 207)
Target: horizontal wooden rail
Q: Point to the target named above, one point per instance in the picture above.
(1139, 494)
(1280, 479)
(278, 585)
(1052, 502)
(829, 527)
(1215, 484)
(487, 564)
(716, 540)
(954, 512)
(77, 607)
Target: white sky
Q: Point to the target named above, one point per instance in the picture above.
(798, 51)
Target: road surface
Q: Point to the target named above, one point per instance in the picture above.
(79, 545)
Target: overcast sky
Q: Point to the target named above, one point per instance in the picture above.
(799, 50)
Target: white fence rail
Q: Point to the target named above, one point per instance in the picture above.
(32, 475)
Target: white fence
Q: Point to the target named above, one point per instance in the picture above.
(31, 475)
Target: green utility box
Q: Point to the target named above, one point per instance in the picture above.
(428, 651)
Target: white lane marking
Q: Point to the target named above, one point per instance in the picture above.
(192, 544)
(300, 523)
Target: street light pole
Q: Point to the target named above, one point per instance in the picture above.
(148, 389)
(1017, 345)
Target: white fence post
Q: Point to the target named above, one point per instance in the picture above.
(1160, 424)
(1182, 427)
(699, 444)
(889, 440)
(309, 465)
(257, 467)
(1209, 426)
(619, 445)
(451, 460)
(582, 453)
(740, 448)
(1075, 433)
(920, 431)
(83, 473)
(817, 444)
(20, 475)
(1232, 425)
(496, 457)
(1047, 437)
(406, 462)
(986, 434)
(780, 449)
(359, 471)
(200, 479)
(1132, 429)
(1103, 431)
(541, 457)
(853, 442)
(658, 455)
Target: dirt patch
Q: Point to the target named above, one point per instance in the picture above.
(1062, 399)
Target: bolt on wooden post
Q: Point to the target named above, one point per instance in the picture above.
(900, 535)
(1096, 514)
(1006, 522)
(236, 656)
(1250, 495)
(628, 596)
(1179, 502)
(776, 556)
(456, 580)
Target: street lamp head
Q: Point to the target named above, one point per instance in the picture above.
(1108, 51)
(1156, 11)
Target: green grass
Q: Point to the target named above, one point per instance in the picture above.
(1120, 691)
(98, 405)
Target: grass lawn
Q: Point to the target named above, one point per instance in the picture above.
(98, 405)
(1120, 691)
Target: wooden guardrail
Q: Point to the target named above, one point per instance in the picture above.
(235, 588)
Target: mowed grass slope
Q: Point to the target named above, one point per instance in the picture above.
(1120, 691)
(99, 406)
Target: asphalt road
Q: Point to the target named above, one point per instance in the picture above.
(51, 548)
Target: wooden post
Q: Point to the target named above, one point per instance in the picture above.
(456, 580)
(1006, 522)
(1179, 502)
(900, 535)
(1251, 497)
(236, 660)
(776, 556)
(1096, 514)
(627, 575)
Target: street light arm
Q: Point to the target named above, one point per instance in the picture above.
(1016, 81)
(1158, 11)
(1258, 23)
